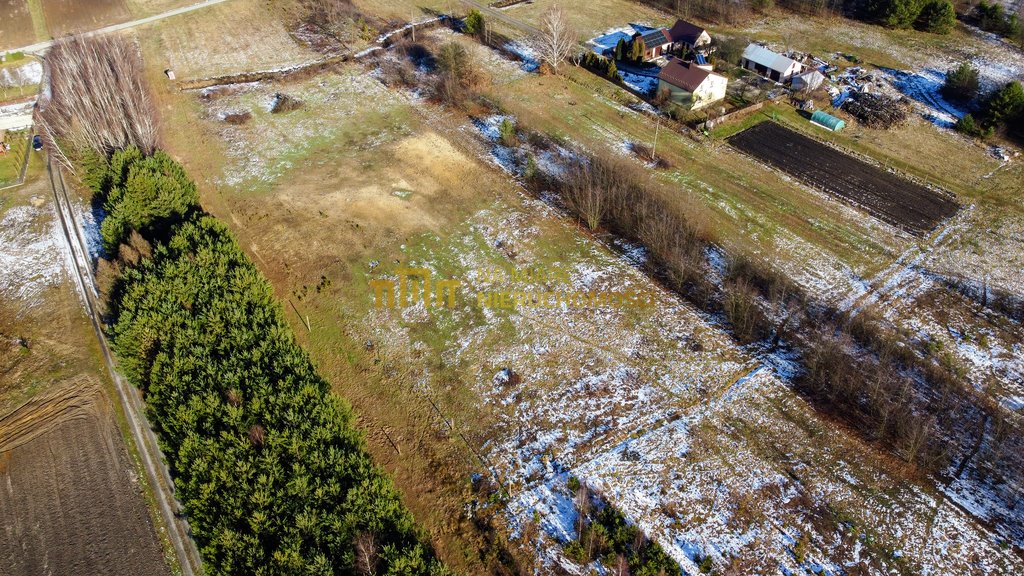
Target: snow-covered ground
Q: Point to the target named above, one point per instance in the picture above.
(609, 39)
(28, 74)
(31, 255)
(647, 85)
(659, 412)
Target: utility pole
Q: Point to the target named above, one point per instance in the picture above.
(412, 22)
(657, 127)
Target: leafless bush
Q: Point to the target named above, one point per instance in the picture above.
(328, 15)
(97, 99)
(457, 76)
(238, 117)
(741, 307)
(398, 73)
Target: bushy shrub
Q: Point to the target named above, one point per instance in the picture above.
(937, 17)
(961, 83)
(473, 24)
(147, 194)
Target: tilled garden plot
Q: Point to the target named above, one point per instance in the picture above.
(885, 195)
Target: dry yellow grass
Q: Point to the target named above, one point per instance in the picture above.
(143, 8)
(236, 36)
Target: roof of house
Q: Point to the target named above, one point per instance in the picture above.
(685, 75)
(760, 55)
(683, 31)
(656, 38)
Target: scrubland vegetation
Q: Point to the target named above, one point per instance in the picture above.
(916, 404)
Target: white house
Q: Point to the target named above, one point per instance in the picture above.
(691, 84)
(770, 64)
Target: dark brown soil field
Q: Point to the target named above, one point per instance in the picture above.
(15, 24)
(885, 195)
(70, 16)
(69, 501)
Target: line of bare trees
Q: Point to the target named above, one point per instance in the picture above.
(858, 369)
(96, 98)
(735, 11)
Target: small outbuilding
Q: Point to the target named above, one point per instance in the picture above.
(809, 81)
(770, 64)
(827, 121)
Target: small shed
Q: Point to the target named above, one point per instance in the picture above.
(809, 81)
(827, 121)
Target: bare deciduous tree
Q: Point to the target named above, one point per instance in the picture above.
(96, 98)
(367, 557)
(557, 39)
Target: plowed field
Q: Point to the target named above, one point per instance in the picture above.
(885, 195)
(69, 499)
(70, 16)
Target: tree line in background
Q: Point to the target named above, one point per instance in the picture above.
(273, 474)
(935, 16)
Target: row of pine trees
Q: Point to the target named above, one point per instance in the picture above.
(273, 475)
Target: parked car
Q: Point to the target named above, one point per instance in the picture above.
(37, 143)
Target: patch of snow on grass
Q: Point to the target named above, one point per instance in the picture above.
(31, 254)
(529, 56)
(28, 74)
(647, 85)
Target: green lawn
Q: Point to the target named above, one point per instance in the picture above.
(11, 162)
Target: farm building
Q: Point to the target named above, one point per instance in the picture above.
(687, 36)
(657, 43)
(690, 84)
(770, 64)
(827, 121)
(810, 81)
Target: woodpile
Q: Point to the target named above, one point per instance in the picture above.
(877, 111)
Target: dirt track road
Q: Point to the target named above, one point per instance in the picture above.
(145, 440)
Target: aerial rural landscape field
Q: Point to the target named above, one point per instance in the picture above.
(644, 287)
